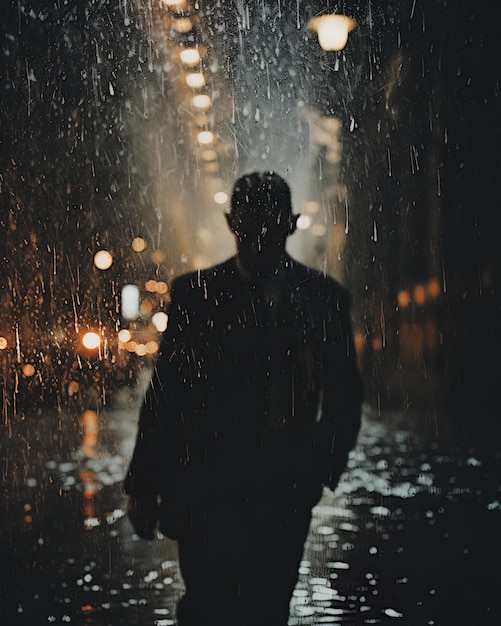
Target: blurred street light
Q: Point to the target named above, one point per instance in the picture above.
(195, 80)
(332, 30)
(205, 137)
(175, 4)
(190, 56)
(103, 260)
(202, 102)
(91, 340)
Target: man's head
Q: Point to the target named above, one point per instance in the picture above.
(261, 219)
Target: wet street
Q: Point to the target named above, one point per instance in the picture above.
(411, 536)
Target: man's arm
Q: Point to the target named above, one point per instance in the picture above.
(159, 431)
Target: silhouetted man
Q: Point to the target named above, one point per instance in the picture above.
(253, 407)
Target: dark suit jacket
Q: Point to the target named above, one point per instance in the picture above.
(256, 387)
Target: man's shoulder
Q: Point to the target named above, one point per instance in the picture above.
(200, 280)
(303, 277)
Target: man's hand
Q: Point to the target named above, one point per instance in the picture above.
(143, 514)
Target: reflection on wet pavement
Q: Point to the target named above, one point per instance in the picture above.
(410, 536)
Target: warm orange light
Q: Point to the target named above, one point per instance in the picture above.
(28, 370)
(158, 257)
(195, 80)
(377, 344)
(103, 260)
(202, 119)
(359, 341)
(73, 388)
(161, 287)
(138, 244)
(312, 206)
(182, 25)
(151, 286)
(212, 167)
(318, 230)
(3, 343)
(419, 294)
(201, 102)
(209, 155)
(411, 340)
(178, 4)
(205, 137)
(190, 56)
(90, 432)
(147, 305)
(403, 298)
(152, 347)
(91, 340)
(332, 30)
(433, 288)
(124, 335)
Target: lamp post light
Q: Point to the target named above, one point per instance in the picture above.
(202, 102)
(195, 80)
(190, 56)
(174, 4)
(182, 25)
(332, 30)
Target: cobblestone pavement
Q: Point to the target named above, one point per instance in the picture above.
(411, 536)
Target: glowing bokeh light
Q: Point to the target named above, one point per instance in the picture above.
(182, 25)
(212, 167)
(178, 4)
(147, 306)
(205, 137)
(103, 260)
(138, 244)
(130, 301)
(419, 294)
(312, 206)
(303, 222)
(141, 349)
(73, 388)
(28, 370)
(159, 320)
(195, 80)
(209, 155)
(124, 335)
(318, 230)
(152, 347)
(190, 56)
(220, 197)
(359, 341)
(202, 119)
(332, 30)
(3, 343)
(158, 257)
(91, 340)
(403, 298)
(433, 288)
(201, 102)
